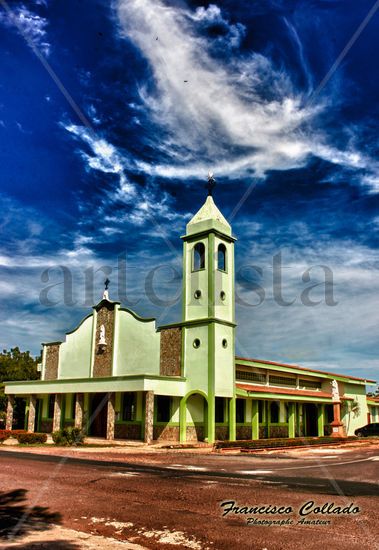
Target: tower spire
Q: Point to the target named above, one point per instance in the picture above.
(211, 184)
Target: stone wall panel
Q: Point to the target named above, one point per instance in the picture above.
(171, 352)
(52, 361)
(103, 355)
(128, 431)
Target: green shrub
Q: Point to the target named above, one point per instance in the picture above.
(29, 438)
(68, 436)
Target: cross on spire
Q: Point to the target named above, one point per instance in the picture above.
(106, 283)
(211, 184)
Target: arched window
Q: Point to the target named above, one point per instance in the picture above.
(274, 412)
(221, 257)
(198, 256)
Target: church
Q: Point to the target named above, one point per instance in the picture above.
(119, 376)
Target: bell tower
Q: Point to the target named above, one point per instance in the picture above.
(209, 308)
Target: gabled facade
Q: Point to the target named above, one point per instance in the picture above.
(119, 376)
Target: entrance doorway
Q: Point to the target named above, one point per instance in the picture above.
(311, 427)
(98, 415)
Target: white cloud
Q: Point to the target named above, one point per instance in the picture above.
(29, 24)
(239, 113)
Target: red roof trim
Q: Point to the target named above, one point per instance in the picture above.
(302, 368)
(284, 391)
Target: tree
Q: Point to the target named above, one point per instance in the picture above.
(16, 365)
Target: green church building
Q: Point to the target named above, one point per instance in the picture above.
(118, 376)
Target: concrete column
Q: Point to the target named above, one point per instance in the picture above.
(232, 419)
(149, 417)
(211, 420)
(183, 420)
(110, 415)
(57, 412)
(291, 420)
(79, 411)
(9, 417)
(254, 419)
(32, 413)
(320, 420)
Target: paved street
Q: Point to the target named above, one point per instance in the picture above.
(173, 499)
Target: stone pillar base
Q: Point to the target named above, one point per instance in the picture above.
(9, 417)
(32, 413)
(149, 417)
(338, 429)
(110, 416)
(79, 411)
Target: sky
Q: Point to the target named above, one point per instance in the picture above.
(112, 114)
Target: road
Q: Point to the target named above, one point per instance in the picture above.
(174, 500)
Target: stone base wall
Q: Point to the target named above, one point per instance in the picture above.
(195, 433)
(263, 432)
(167, 433)
(222, 433)
(128, 431)
(278, 431)
(243, 432)
(46, 426)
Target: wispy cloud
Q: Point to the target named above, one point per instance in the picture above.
(31, 25)
(240, 112)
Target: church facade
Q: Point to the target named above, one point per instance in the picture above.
(118, 376)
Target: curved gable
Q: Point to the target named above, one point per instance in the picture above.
(138, 345)
(75, 352)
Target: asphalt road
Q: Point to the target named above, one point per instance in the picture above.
(174, 500)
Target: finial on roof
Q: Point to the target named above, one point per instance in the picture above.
(211, 184)
(105, 293)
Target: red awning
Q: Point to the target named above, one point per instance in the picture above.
(283, 391)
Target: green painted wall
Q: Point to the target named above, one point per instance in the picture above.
(138, 346)
(75, 352)
(351, 421)
(196, 360)
(195, 409)
(224, 361)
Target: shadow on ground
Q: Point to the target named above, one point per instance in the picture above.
(324, 486)
(17, 519)
(45, 545)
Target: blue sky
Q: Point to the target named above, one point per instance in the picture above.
(111, 115)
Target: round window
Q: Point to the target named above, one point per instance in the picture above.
(224, 343)
(197, 294)
(222, 295)
(196, 343)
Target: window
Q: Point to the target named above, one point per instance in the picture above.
(196, 343)
(261, 405)
(163, 408)
(252, 376)
(199, 256)
(50, 412)
(240, 411)
(274, 412)
(276, 380)
(224, 343)
(219, 410)
(129, 406)
(310, 384)
(73, 405)
(221, 257)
